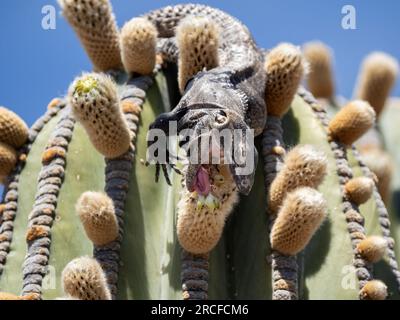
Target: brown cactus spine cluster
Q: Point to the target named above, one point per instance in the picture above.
(320, 79)
(95, 104)
(94, 23)
(285, 68)
(197, 40)
(138, 46)
(84, 279)
(377, 77)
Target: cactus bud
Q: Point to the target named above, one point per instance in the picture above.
(97, 213)
(138, 46)
(84, 279)
(351, 122)
(201, 219)
(320, 79)
(377, 78)
(359, 189)
(372, 248)
(8, 159)
(95, 104)
(284, 66)
(94, 23)
(374, 290)
(304, 166)
(198, 39)
(13, 130)
(381, 164)
(301, 214)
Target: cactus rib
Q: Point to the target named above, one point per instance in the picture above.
(284, 268)
(42, 215)
(383, 219)
(117, 174)
(10, 195)
(194, 276)
(355, 221)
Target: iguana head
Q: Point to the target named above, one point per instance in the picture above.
(211, 109)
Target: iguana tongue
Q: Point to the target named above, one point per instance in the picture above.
(202, 182)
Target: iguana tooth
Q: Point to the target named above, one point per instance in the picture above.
(211, 202)
(138, 46)
(320, 79)
(84, 279)
(200, 202)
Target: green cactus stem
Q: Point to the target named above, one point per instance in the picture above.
(11, 191)
(41, 217)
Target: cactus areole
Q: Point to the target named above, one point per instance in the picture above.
(277, 204)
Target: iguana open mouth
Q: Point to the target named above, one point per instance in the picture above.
(210, 185)
(201, 182)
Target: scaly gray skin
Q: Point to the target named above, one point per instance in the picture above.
(233, 90)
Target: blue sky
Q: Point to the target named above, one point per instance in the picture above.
(37, 65)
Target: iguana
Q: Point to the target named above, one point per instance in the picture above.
(228, 96)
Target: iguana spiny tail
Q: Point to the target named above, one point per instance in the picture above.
(228, 96)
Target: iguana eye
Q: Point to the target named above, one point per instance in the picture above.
(221, 117)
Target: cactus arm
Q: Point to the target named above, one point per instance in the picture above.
(16, 211)
(329, 252)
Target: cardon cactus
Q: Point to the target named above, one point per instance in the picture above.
(83, 217)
